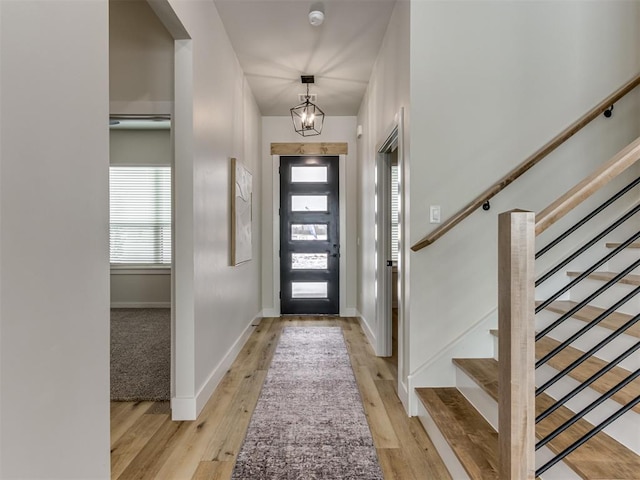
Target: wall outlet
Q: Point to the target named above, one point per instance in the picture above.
(434, 214)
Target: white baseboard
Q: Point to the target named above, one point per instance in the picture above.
(270, 312)
(367, 330)
(403, 395)
(190, 408)
(140, 304)
(349, 312)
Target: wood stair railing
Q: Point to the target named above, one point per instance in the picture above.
(517, 232)
(532, 160)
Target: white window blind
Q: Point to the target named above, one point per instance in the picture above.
(140, 208)
(394, 213)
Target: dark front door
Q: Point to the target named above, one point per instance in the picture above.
(309, 235)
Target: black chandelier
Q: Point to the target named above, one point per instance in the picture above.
(307, 117)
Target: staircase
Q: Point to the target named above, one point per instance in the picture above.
(587, 363)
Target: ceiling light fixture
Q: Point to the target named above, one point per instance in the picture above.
(316, 14)
(308, 118)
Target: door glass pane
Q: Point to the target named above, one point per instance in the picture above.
(309, 261)
(309, 203)
(309, 231)
(308, 174)
(308, 289)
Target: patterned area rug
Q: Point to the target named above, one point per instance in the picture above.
(309, 423)
(140, 354)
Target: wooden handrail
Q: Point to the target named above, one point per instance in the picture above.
(583, 190)
(532, 160)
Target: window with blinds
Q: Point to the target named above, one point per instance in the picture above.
(140, 209)
(394, 213)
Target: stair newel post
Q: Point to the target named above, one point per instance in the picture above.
(516, 304)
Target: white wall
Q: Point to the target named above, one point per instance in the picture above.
(216, 118)
(141, 54)
(54, 296)
(280, 129)
(140, 287)
(490, 83)
(387, 93)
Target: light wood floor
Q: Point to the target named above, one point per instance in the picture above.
(146, 444)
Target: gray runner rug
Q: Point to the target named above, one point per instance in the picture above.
(309, 423)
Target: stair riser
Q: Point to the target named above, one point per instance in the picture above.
(590, 338)
(448, 456)
(608, 298)
(488, 408)
(623, 259)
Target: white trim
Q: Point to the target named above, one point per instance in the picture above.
(456, 470)
(190, 408)
(140, 304)
(364, 324)
(403, 394)
(404, 297)
(342, 191)
(349, 312)
(275, 267)
(270, 312)
(135, 270)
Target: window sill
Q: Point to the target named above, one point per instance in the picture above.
(140, 270)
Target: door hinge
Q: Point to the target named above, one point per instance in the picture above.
(280, 295)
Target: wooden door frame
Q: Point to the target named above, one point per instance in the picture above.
(301, 149)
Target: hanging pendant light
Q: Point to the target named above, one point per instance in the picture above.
(307, 117)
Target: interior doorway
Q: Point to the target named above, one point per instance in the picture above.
(141, 256)
(389, 250)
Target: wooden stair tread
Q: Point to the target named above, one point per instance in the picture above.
(588, 313)
(617, 244)
(588, 368)
(469, 435)
(630, 279)
(600, 457)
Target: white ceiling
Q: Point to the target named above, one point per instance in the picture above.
(276, 44)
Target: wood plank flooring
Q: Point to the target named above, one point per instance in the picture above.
(146, 444)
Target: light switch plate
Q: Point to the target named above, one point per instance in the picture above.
(434, 214)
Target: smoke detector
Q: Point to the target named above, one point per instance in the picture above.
(316, 14)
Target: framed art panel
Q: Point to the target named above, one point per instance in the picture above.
(241, 213)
